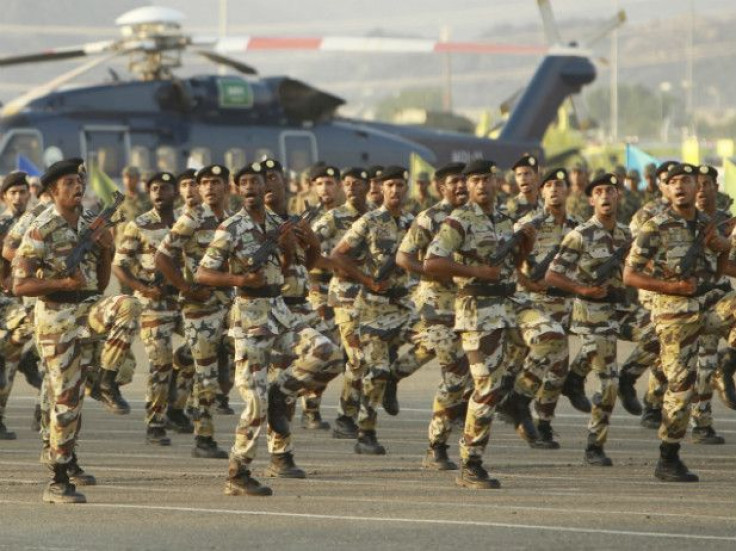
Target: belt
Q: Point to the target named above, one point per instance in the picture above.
(613, 297)
(295, 301)
(267, 291)
(69, 297)
(392, 294)
(555, 292)
(320, 278)
(488, 290)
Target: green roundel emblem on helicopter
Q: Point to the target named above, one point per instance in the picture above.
(234, 93)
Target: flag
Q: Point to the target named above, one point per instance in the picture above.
(729, 180)
(101, 184)
(26, 165)
(416, 165)
(691, 151)
(637, 159)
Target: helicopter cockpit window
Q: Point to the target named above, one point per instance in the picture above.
(20, 144)
(166, 159)
(140, 157)
(235, 158)
(200, 156)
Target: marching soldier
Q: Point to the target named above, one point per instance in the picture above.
(630, 201)
(421, 199)
(578, 205)
(676, 242)
(375, 195)
(526, 173)
(68, 305)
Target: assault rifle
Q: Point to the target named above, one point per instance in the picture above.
(539, 269)
(605, 270)
(86, 239)
(271, 243)
(512, 242)
(688, 262)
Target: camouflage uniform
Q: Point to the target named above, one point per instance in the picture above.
(599, 322)
(64, 323)
(484, 314)
(415, 205)
(204, 322)
(160, 319)
(435, 335)
(129, 210)
(629, 202)
(649, 196)
(680, 321)
(550, 309)
(578, 206)
(373, 239)
(260, 323)
(519, 206)
(341, 296)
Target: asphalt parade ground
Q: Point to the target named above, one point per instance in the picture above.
(150, 497)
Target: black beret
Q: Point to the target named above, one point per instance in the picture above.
(681, 169)
(166, 177)
(250, 168)
(188, 174)
(708, 170)
(450, 169)
(479, 166)
(527, 160)
(555, 174)
(354, 172)
(394, 172)
(374, 172)
(60, 169)
(323, 171)
(664, 168)
(15, 178)
(607, 179)
(213, 171)
(271, 164)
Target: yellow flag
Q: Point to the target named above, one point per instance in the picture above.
(101, 184)
(416, 165)
(691, 151)
(729, 181)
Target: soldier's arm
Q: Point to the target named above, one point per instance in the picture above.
(415, 241)
(126, 255)
(105, 251)
(565, 264)
(212, 270)
(170, 252)
(440, 263)
(345, 252)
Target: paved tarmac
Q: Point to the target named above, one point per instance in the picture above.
(162, 498)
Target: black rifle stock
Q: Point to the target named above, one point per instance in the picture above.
(539, 269)
(509, 245)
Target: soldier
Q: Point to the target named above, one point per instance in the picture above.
(204, 309)
(134, 266)
(261, 322)
(15, 322)
(675, 243)
(463, 249)
(434, 300)
(421, 199)
(136, 203)
(651, 191)
(630, 201)
(546, 313)
(342, 295)
(384, 309)
(596, 319)
(375, 195)
(578, 205)
(526, 173)
(68, 305)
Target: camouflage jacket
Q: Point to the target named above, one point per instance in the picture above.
(373, 241)
(519, 206)
(648, 211)
(296, 276)
(416, 205)
(187, 242)
(578, 206)
(130, 209)
(663, 242)
(15, 235)
(330, 228)
(628, 204)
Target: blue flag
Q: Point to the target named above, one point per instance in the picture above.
(637, 159)
(24, 163)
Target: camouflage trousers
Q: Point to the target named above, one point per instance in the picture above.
(60, 330)
(16, 329)
(701, 410)
(384, 327)
(541, 334)
(317, 361)
(599, 353)
(484, 350)
(204, 331)
(679, 341)
(346, 318)
(158, 325)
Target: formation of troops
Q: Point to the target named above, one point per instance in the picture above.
(277, 296)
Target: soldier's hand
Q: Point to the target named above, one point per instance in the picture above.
(306, 237)
(594, 291)
(153, 292)
(254, 279)
(716, 243)
(527, 243)
(74, 282)
(488, 273)
(197, 293)
(535, 286)
(103, 238)
(684, 287)
(379, 286)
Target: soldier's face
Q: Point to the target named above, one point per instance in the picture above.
(604, 200)
(131, 181)
(189, 192)
(326, 189)
(212, 189)
(375, 192)
(16, 198)
(526, 179)
(355, 189)
(578, 180)
(394, 192)
(68, 191)
(252, 189)
(162, 195)
(682, 190)
(454, 190)
(705, 196)
(481, 189)
(554, 193)
(275, 190)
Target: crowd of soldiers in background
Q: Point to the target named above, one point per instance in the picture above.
(278, 285)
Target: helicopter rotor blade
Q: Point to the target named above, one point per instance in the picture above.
(551, 30)
(228, 62)
(605, 29)
(56, 54)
